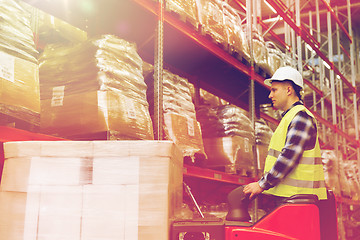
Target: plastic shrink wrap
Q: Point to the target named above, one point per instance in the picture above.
(180, 123)
(16, 36)
(212, 20)
(268, 109)
(263, 134)
(54, 30)
(237, 39)
(275, 57)
(96, 190)
(228, 138)
(260, 51)
(188, 10)
(94, 86)
(337, 175)
(352, 175)
(19, 73)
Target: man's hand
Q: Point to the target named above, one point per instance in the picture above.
(253, 189)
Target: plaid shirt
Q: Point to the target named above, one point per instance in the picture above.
(301, 136)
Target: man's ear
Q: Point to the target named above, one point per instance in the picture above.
(289, 90)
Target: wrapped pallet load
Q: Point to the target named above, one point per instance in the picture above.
(228, 138)
(212, 21)
(263, 134)
(180, 124)
(90, 190)
(237, 39)
(94, 87)
(352, 175)
(19, 72)
(188, 10)
(55, 30)
(275, 57)
(335, 176)
(260, 51)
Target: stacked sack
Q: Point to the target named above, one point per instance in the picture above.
(93, 87)
(275, 57)
(263, 135)
(228, 138)
(16, 36)
(353, 179)
(187, 9)
(222, 23)
(237, 38)
(337, 175)
(212, 20)
(19, 73)
(180, 123)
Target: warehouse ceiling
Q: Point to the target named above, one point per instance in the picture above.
(308, 10)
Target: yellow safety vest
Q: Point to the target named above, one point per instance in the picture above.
(308, 176)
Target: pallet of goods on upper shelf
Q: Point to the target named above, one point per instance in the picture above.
(180, 123)
(19, 72)
(94, 86)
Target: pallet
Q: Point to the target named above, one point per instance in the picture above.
(103, 135)
(224, 45)
(239, 56)
(235, 170)
(15, 122)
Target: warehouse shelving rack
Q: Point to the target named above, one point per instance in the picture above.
(302, 33)
(246, 72)
(333, 113)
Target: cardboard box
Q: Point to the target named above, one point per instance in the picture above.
(94, 112)
(132, 190)
(19, 88)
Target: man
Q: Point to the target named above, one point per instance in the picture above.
(293, 164)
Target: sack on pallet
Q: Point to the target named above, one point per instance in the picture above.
(101, 78)
(263, 134)
(212, 21)
(228, 138)
(19, 73)
(331, 172)
(237, 39)
(16, 35)
(275, 57)
(180, 124)
(188, 10)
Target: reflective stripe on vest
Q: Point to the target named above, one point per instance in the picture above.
(308, 176)
(303, 160)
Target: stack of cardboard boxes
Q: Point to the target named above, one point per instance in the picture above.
(89, 190)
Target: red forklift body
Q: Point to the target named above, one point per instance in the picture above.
(290, 221)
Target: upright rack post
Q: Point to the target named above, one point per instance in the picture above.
(340, 90)
(158, 73)
(249, 14)
(353, 78)
(298, 37)
(321, 68)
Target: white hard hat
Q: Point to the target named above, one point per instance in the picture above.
(286, 73)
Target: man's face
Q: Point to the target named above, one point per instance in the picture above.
(278, 94)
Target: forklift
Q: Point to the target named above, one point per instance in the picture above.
(301, 217)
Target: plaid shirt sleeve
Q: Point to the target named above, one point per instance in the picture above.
(301, 136)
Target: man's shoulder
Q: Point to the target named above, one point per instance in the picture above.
(303, 117)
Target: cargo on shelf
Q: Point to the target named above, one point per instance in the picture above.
(90, 190)
(94, 86)
(19, 73)
(180, 124)
(228, 138)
